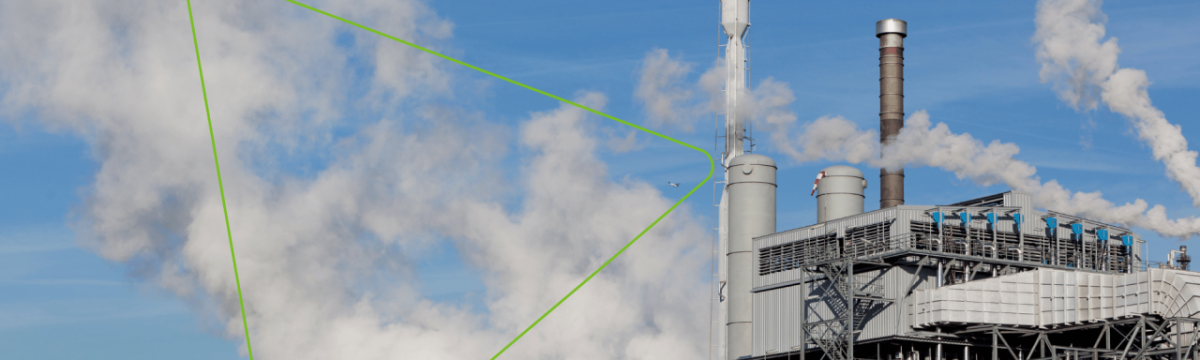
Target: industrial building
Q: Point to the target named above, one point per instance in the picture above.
(988, 278)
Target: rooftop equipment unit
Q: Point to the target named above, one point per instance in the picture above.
(840, 193)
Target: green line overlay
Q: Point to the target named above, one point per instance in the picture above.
(711, 163)
(220, 185)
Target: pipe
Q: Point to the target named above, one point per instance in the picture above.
(735, 15)
(735, 19)
(891, 33)
(939, 274)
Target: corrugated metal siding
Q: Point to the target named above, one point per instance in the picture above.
(777, 323)
(1021, 200)
(777, 312)
(894, 319)
(902, 216)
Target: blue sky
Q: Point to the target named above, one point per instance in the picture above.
(970, 65)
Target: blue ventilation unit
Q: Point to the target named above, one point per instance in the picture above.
(1017, 220)
(991, 217)
(1102, 235)
(1052, 224)
(1127, 240)
(937, 217)
(1077, 228)
(966, 218)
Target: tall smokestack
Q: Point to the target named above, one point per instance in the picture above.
(734, 336)
(891, 33)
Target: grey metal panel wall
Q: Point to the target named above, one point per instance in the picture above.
(894, 318)
(900, 217)
(777, 323)
(882, 320)
(777, 312)
(1021, 200)
(902, 214)
(783, 238)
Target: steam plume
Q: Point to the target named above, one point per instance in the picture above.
(660, 90)
(669, 100)
(921, 143)
(1069, 34)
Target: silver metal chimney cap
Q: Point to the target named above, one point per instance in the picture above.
(891, 26)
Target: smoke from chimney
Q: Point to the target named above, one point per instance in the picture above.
(921, 142)
(1082, 68)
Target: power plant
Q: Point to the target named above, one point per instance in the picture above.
(991, 278)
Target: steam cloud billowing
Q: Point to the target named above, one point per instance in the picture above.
(1070, 50)
(670, 101)
(1082, 68)
(921, 143)
(327, 257)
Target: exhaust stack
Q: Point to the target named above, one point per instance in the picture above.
(891, 33)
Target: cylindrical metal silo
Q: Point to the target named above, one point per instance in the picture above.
(891, 33)
(751, 190)
(840, 193)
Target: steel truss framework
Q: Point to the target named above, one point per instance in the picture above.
(851, 302)
(1149, 337)
(829, 263)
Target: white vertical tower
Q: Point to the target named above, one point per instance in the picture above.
(751, 190)
(735, 19)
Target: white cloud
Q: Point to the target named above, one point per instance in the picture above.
(327, 261)
(1068, 35)
(670, 100)
(1083, 68)
(660, 89)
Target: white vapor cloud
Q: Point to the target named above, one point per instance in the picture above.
(921, 143)
(328, 260)
(1069, 34)
(827, 138)
(1082, 67)
(670, 101)
(660, 90)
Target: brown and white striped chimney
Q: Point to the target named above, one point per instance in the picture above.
(891, 33)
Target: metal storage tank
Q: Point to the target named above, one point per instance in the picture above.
(751, 214)
(840, 193)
